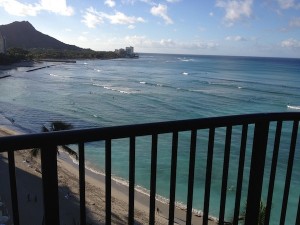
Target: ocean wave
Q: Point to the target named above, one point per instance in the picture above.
(293, 107)
(56, 75)
(122, 90)
(238, 81)
(185, 60)
(153, 84)
(76, 162)
(98, 85)
(185, 73)
(118, 90)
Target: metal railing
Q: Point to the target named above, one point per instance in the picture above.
(48, 142)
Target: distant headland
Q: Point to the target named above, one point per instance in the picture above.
(20, 41)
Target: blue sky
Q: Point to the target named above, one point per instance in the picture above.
(214, 27)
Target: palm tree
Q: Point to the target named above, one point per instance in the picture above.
(261, 214)
(56, 126)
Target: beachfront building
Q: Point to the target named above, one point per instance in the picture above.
(128, 52)
(2, 44)
(120, 51)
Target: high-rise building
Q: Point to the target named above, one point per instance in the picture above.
(129, 51)
(2, 44)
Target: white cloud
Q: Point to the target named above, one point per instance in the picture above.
(110, 3)
(211, 14)
(131, 27)
(82, 38)
(144, 42)
(161, 11)
(121, 18)
(172, 1)
(167, 43)
(286, 4)
(92, 18)
(295, 22)
(235, 9)
(235, 38)
(57, 6)
(290, 43)
(17, 8)
(68, 29)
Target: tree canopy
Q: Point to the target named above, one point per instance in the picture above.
(15, 55)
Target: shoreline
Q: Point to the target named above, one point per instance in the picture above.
(95, 189)
(17, 65)
(94, 173)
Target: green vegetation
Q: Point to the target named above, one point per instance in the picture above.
(71, 54)
(56, 126)
(261, 214)
(15, 55)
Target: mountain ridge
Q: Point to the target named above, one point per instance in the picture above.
(22, 34)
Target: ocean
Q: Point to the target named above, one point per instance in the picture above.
(161, 87)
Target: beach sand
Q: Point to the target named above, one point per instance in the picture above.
(29, 187)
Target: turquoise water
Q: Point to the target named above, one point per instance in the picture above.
(158, 88)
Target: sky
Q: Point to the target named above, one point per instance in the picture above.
(268, 28)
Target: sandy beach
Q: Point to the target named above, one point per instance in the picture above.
(29, 188)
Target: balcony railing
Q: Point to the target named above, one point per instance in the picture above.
(261, 126)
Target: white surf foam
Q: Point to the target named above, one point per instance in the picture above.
(293, 107)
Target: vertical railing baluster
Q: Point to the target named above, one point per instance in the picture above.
(50, 185)
(259, 150)
(273, 171)
(239, 183)
(153, 179)
(108, 182)
(225, 174)
(298, 213)
(131, 180)
(13, 186)
(191, 177)
(173, 177)
(289, 172)
(82, 184)
(208, 174)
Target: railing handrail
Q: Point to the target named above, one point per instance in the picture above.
(24, 141)
(48, 141)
